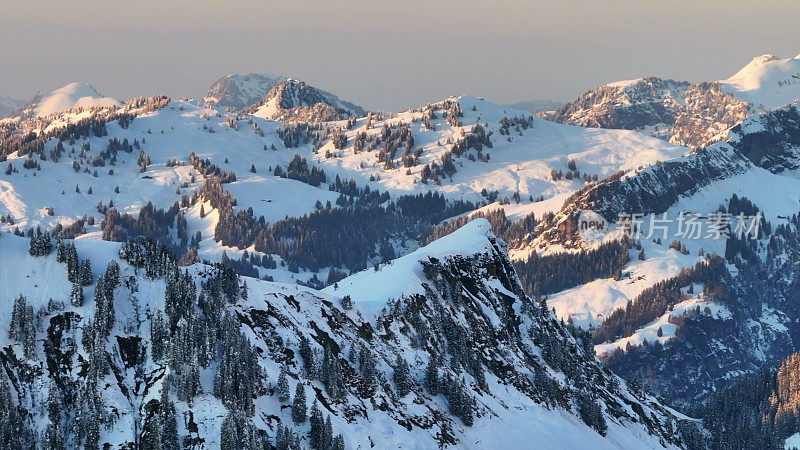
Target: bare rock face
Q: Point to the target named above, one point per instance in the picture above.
(684, 113)
(677, 111)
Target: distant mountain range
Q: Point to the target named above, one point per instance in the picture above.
(278, 98)
(686, 113)
(273, 266)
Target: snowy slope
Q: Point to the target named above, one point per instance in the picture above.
(73, 95)
(519, 162)
(775, 195)
(767, 82)
(273, 318)
(403, 276)
(522, 162)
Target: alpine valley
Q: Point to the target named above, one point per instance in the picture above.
(273, 266)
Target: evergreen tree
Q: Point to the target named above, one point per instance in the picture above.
(22, 328)
(309, 359)
(169, 426)
(158, 337)
(229, 436)
(327, 435)
(14, 432)
(432, 376)
(281, 438)
(40, 244)
(317, 427)
(331, 374)
(591, 413)
(366, 365)
(402, 377)
(73, 264)
(299, 404)
(54, 435)
(283, 386)
(338, 442)
(86, 273)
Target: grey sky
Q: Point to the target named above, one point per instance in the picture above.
(381, 54)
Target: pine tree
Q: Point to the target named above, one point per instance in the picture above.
(281, 438)
(402, 377)
(283, 386)
(309, 359)
(366, 365)
(432, 377)
(331, 373)
(317, 427)
(591, 413)
(158, 337)
(14, 432)
(338, 442)
(229, 436)
(169, 426)
(17, 326)
(86, 273)
(54, 436)
(73, 264)
(299, 404)
(61, 251)
(327, 435)
(40, 244)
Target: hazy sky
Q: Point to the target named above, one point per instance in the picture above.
(387, 55)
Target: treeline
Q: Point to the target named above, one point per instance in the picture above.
(347, 236)
(656, 300)
(542, 275)
(512, 232)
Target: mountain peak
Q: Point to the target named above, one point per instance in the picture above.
(237, 91)
(372, 288)
(766, 81)
(69, 96)
(292, 100)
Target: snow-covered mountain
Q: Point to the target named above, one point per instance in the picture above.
(278, 98)
(190, 177)
(314, 226)
(518, 161)
(237, 91)
(767, 82)
(684, 113)
(71, 96)
(670, 314)
(142, 352)
(296, 101)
